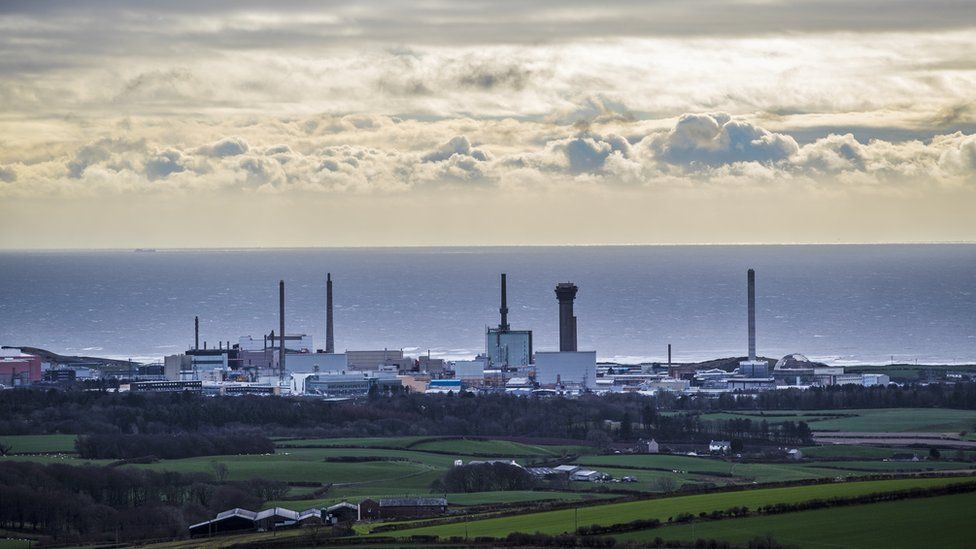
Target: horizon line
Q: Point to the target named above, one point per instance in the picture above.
(458, 246)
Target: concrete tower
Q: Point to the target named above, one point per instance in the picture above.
(503, 326)
(281, 326)
(196, 332)
(751, 281)
(566, 294)
(329, 338)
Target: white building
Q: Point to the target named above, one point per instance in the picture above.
(566, 367)
(316, 362)
(470, 369)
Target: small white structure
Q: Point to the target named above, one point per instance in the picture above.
(586, 475)
(719, 446)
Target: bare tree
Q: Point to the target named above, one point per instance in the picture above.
(666, 484)
(220, 470)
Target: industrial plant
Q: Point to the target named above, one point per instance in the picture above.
(284, 362)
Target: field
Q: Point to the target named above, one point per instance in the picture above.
(29, 444)
(906, 523)
(498, 448)
(566, 520)
(895, 420)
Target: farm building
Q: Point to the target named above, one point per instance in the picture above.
(402, 508)
(566, 469)
(239, 520)
(586, 475)
(340, 513)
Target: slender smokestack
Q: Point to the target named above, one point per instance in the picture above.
(566, 293)
(196, 333)
(669, 354)
(329, 337)
(503, 327)
(281, 327)
(751, 280)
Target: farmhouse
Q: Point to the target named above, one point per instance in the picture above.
(402, 508)
(647, 447)
(719, 446)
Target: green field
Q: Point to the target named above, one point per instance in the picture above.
(944, 521)
(694, 468)
(474, 498)
(498, 448)
(930, 420)
(566, 520)
(28, 444)
(365, 442)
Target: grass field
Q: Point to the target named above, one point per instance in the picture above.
(693, 468)
(26, 444)
(944, 521)
(931, 420)
(365, 442)
(499, 448)
(566, 520)
(474, 498)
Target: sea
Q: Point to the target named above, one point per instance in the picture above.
(840, 304)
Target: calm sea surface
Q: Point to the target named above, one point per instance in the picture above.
(840, 304)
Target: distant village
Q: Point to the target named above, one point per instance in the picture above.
(290, 364)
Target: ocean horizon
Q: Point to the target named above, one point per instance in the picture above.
(838, 303)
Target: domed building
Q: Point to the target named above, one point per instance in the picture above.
(795, 361)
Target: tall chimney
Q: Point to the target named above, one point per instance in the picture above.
(329, 337)
(281, 327)
(196, 333)
(566, 293)
(503, 327)
(669, 354)
(751, 280)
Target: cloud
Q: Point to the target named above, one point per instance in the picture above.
(163, 164)
(460, 146)
(714, 139)
(7, 174)
(228, 146)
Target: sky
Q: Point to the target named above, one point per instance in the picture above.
(382, 123)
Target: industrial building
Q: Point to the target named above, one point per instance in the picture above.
(18, 369)
(372, 360)
(563, 368)
(506, 348)
(317, 362)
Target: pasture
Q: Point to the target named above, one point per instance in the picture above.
(30, 444)
(567, 520)
(899, 524)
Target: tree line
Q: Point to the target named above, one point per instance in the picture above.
(73, 504)
(668, 416)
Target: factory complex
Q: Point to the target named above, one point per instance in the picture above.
(283, 363)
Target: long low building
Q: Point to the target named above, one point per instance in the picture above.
(240, 520)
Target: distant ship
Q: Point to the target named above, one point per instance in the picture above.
(145, 250)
